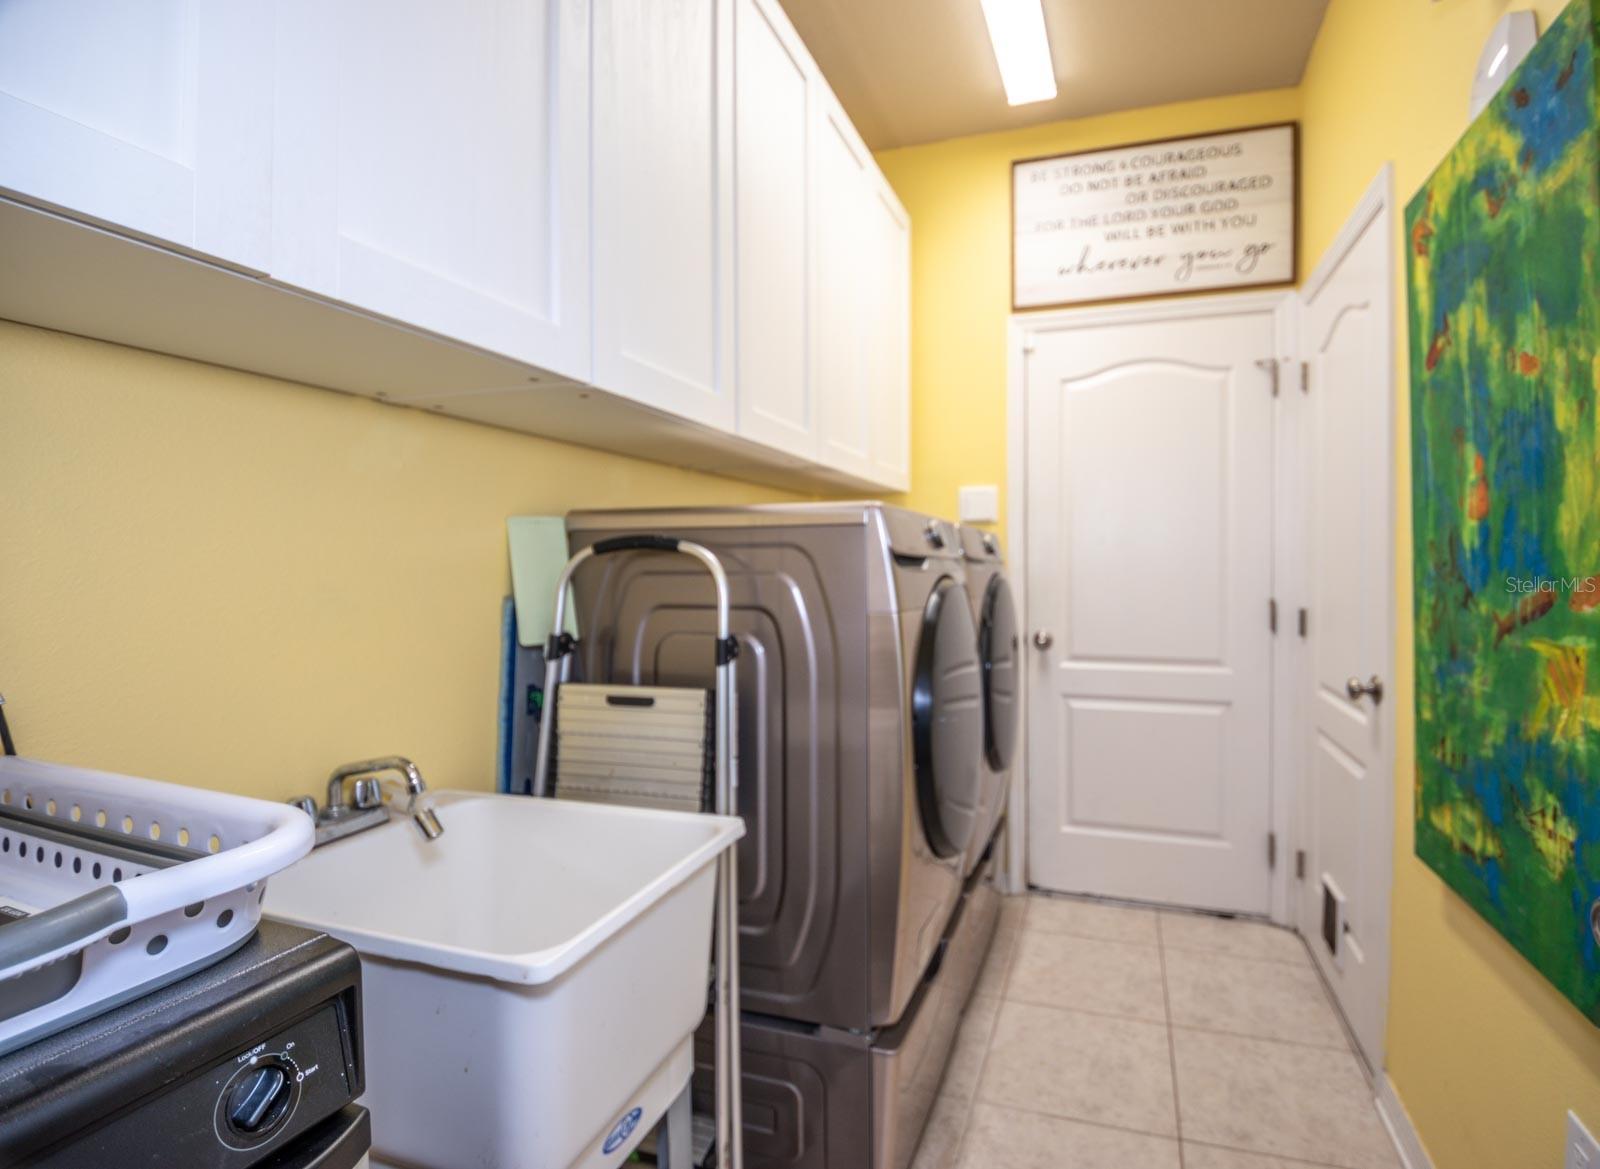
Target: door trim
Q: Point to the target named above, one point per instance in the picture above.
(1288, 540)
(1377, 200)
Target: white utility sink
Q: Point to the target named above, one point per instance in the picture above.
(530, 980)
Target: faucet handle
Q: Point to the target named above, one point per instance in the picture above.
(306, 804)
(368, 792)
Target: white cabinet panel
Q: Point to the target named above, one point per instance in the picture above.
(844, 292)
(152, 117)
(889, 343)
(773, 84)
(663, 198)
(433, 167)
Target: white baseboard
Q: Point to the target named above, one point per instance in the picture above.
(1398, 1121)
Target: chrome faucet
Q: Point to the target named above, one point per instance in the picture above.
(367, 808)
(415, 785)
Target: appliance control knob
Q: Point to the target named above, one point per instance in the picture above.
(934, 533)
(258, 1099)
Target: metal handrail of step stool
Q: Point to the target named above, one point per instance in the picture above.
(729, 1110)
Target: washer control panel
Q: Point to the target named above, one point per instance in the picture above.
(256, 1099)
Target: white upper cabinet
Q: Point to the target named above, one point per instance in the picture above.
(663, 205)
(646, 225)
(432, 167)
(846, 292)
(154, 117)
(775, 85)
(889, 350)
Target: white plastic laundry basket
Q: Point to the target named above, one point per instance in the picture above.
(112, 886)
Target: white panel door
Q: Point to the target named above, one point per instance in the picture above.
(432, 167)
(154, 117)
(1347, 821)
(663, 205)
(845, 291)
(773, 92)
(1149, 578)
(888, 362)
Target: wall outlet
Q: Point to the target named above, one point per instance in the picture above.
(1583, 1151)
(980, 505)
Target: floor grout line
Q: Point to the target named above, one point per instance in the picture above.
(1295, 963)
(1093, 1014)
(1172, 1046)
(1223, 1031)
(1009, 1106)
(1258, 1153)
(1080, 1010)
(1106, 1124)
(1171, 1023)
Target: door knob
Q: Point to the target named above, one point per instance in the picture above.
(1042, 639)
(1372, 687)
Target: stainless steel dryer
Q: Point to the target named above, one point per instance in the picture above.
(860, 731)
(999, 659)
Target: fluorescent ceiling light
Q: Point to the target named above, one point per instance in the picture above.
(1016, 29)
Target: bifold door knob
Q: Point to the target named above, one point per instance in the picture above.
(1042, 639)
(1372, 688)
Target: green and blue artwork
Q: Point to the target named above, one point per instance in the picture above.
(1502, 244)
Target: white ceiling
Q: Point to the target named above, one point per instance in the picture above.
(911, 71)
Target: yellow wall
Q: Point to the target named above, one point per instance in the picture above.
(958, 194)
(221, 579)
(1485, 1054)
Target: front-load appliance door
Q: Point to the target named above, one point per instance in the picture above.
(999, 649)
(936, 805)
(947, 720)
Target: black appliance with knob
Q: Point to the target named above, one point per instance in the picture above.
(253, 1061)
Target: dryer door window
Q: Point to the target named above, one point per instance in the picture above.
(947, 720)
(997, 653)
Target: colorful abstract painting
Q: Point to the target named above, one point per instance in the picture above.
(1501, 248)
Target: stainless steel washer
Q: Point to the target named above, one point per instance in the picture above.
(860, 731)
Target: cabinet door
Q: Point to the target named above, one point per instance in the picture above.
(663, 205)
(889, 349)
(153, 117)
(844, 294)
(432, 164)
(773, 83)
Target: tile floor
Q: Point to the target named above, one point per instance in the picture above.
(1103, 1037)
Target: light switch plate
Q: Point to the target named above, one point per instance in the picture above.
(980, 504)
(1583, 1152)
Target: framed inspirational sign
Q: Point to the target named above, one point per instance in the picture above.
(1216, 211)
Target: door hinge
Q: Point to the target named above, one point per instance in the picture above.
(1300, 864)
(1305, 377)
(1270, 364)
(1272, 850)
(1272, 614)
(1304, 618)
